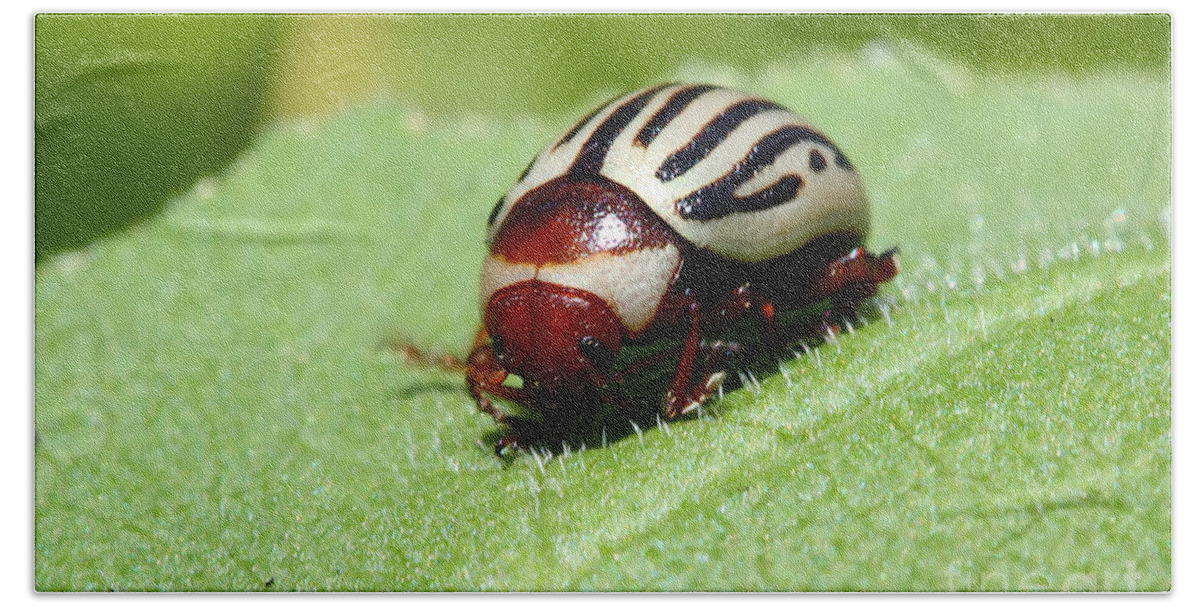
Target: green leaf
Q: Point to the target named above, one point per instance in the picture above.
(132, 109)
(218, 409)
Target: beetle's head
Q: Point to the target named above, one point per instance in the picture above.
(561, 341)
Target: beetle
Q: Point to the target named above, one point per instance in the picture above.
(673, 214)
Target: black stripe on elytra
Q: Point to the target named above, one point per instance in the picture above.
(713, 133)
(525, 171)
(591, 155)
(582, 121)
(677, 103)
(718, 200)
(495, 211)
(816, 160)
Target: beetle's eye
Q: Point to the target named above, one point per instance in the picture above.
(498, 347)
(597, 353)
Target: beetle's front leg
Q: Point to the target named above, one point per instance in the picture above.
(484, 372)
(485, 375)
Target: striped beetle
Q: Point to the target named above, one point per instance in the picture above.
(676, 215)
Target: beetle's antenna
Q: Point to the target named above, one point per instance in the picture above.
(420, 357)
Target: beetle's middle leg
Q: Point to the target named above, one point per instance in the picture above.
(742, 302)
(683, 396)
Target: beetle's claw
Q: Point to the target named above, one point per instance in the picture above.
(715, 380)
(511, 440)
(698, 397)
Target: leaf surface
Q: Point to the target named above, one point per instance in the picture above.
(217, 406)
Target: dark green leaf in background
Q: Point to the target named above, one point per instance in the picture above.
(132, 109)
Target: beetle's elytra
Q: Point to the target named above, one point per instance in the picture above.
(671, 215)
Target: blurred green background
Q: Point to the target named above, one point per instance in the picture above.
(132, 109)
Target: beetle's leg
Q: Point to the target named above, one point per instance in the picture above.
(683, 397)
(637, 366)
(485, 376)
(484, 373)
(521, 434)
(853, 278)
(510, 440)
(677, 397)
(745, 301)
